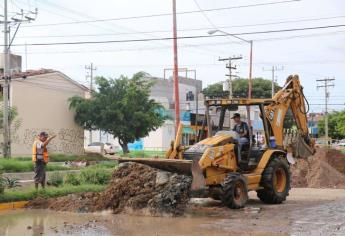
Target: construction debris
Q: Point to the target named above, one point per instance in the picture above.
(325, 169)
(134, 188)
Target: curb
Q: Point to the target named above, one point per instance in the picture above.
(12, 205)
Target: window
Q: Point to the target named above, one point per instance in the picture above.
(189, 96)
(256, 115)
(95, 144)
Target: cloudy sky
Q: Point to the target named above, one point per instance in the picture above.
(313, 54)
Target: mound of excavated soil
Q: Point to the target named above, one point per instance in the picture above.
(325, 169)
(134, 188)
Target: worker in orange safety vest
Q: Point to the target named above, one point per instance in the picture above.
(40, 158)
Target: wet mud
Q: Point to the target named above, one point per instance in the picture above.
(306, 212)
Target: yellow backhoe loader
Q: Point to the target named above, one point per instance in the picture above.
(216, 162)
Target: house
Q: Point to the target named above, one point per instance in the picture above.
(162, 92)
(41, 100)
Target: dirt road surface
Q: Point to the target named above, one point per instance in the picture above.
(306, 212)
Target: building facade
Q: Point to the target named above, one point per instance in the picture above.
(162, 92)
(41, 101)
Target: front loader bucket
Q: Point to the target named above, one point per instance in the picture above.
(184, 167)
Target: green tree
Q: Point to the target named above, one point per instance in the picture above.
(14, 123)
(261, 88)
(11, 116)
(121, 107)
(336, 125)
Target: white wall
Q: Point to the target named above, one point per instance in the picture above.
(42, 105)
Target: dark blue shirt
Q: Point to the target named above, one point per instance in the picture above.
(241, 128)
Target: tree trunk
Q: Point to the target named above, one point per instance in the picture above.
(124, 146)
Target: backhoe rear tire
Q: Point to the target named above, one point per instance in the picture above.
(235, 192)
(275, 181)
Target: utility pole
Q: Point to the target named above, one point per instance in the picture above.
(326, 85)
(231, 67)
(16, 20)
(90, 69)
(5, 87)
(176, 81)
(26, 56)
(230, 75)
(273, 70)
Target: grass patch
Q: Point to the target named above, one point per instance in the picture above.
(95, 175)
(62, 157)
(13, 166)
(30, 193)
(56, 157)
(104, 164)
(144, 153)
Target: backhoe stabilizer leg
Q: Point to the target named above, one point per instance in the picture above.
(198, 182)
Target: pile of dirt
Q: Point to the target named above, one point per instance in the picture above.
(325, 169)
(133, 188)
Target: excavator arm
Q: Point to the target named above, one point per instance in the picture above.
(290, 96)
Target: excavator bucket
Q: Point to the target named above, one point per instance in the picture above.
(298, 146)
(185, 167)
(302, 149)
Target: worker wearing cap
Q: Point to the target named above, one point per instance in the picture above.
(242, 129)
(40, 158)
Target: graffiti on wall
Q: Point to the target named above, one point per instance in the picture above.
(68, 141)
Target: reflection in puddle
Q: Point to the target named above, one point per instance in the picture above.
(327, 218)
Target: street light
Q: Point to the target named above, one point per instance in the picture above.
(210, 32)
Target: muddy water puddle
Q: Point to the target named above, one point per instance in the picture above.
(295, 217)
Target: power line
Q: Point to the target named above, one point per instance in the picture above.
(181, 30)
(184, 46)
(135, 32)
(204, 14)
(180, 37)
(167, 14)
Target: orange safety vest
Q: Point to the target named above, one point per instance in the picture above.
(34, 153)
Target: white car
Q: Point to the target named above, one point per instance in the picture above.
(341, 144)
(101, 148)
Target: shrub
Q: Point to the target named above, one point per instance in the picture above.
(2, 184)
(72, 179)
(11, 182)
(95, 175)
(55, 179)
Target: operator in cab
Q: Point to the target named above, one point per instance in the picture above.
(242, 129)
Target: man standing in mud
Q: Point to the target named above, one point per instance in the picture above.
(40, 158)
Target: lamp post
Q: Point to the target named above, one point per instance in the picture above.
(210, 32)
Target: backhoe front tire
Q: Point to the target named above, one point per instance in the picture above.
(235, 192)
(275, 181)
